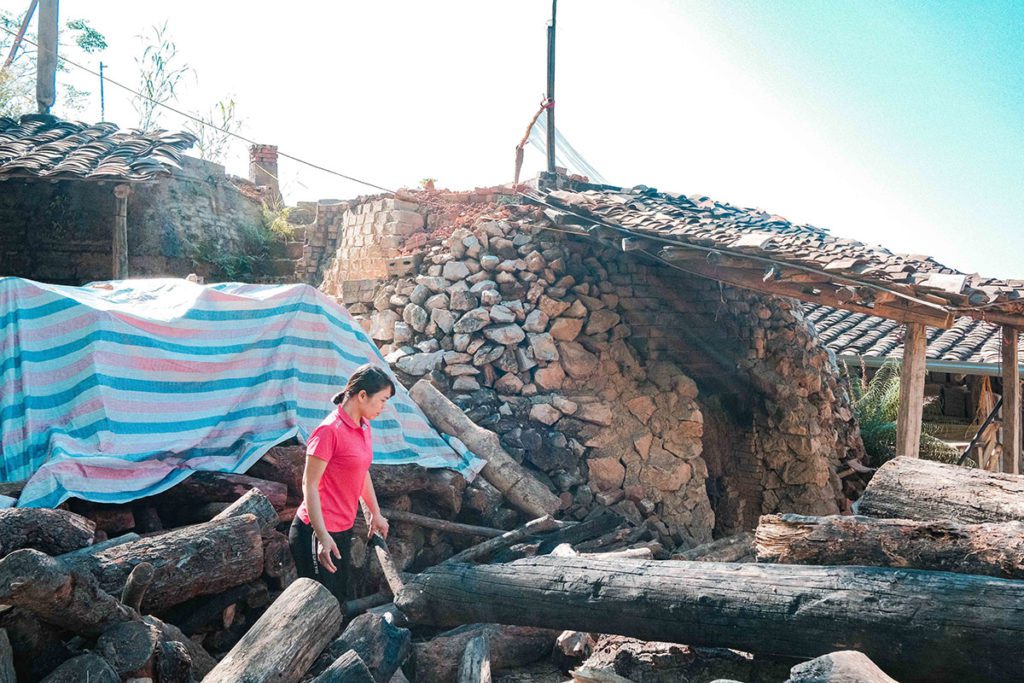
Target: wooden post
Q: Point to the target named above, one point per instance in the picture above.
(46, 57)
(551, 88)
(121, 232)
(908, 419)
(1011, 402)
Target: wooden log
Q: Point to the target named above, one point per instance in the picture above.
(437, 660)
(205, 613)
(737, 548)
(50, 531)
(443, 487)
(966, 627)
(348, 668)
(601, 523)
(355, 607)
(278, 563)
(911, 405)
(224, 487)
(440, 524)
(286, 640)
(381, 645)
(33, 642)
(112, 520)
(135, 587)
(1011, 400)
(520, 487)
(283, 464)
(128, 647)
(475, 666)
(909, 488)
(90, 550)
(7, 674)
(201, 559)
(387, 565)
(88, 667)
(489, 547)
(255, 503)
(989, 549)
(845, 666)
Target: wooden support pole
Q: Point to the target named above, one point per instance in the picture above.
(1011, 401)
(911, 410)
(46, 55)
(120, 269)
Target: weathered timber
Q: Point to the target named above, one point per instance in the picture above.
(520, 488)
(738, 548)
(7, 674)
(599, 524)
(278, 563)
(392, 575)
(965, 626)
(50, 531)
(255, 503)
(440, 524)
(205, 613)
(475, 666)
(911, 404)
(348, 668)
(285, 641)
(283, 464)
(910, 488)
(357, 606)
(88, 667)
(489, 547)
(381, 645)
(1011, 400)
(437, 660)
(98, 547)
(201, 559)
(135, 587)
(129, 646)
(444, 487)
(845, 666)
(991, 549)
(32, 642)
(224, 487)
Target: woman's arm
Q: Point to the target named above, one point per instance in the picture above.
(311, 476)
(377, 521)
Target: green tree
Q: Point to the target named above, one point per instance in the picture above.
(160, 73)
(18, 81)
(214, 140)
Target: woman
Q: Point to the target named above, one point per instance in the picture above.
(336, 476)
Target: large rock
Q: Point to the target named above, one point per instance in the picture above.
(507, 335)
(488, 353)
(444, 319)
(462, 300)
(382, 325)
(472, 321)
(509, 383)
(436, 301)
(502, 314)
(549, 378)
(543, 347)
(606, 474)
(566, 329)
(455, 270)
(596, 413)
(601, 321)
(577, 362)
(536, 321)
(416, 317)
(552, 307)
(419, 364)
(545, 414)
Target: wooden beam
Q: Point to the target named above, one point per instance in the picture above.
(1011, 402)
(911, 408)
(120, 268)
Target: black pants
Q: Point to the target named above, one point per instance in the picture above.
(304, 546)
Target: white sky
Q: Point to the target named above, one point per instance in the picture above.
(661, 93)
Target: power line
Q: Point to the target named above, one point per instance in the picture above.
(200, 121)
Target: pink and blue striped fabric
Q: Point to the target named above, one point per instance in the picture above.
(116, 391)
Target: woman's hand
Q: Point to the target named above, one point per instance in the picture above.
(378, 525)
(328, 550)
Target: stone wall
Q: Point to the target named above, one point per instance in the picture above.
(194, 221)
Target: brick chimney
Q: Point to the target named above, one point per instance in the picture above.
(263, 167)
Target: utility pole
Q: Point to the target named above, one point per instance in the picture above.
(46, 59)
(551, 88)
(103, 115)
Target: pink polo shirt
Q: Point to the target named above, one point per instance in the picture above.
(347, 449)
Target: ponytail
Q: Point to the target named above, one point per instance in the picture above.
(368, 378)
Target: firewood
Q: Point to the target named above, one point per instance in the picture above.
(348, 668)
(738, 548)
(443, 487)
(6, 659)
(135, 587)
(252, 502)
(204, 614)
(355, 607)
(520, 488)
(599, 524)
(845, 666)
(278, 563)
(973, 623)
(283, 464)
(437, 660)
(387, 565)
(147, 519)
(33, 642)
(995, 549)
(223, 487)
(913, 488)
(129, 646)
(88, 667)
(201, 559)
(381, 645)
(441, 524)
(90, 550)
(475, 666)
(285, 641)
(113, 520)
(489, 547)
(50, 531)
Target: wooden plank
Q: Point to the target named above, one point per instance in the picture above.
(1011, 402)
(120, 265)
(911, 409)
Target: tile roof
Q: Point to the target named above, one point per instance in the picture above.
(42, 146)
(745, 235)
(855, 334)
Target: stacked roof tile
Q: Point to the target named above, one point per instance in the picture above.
(44, 146)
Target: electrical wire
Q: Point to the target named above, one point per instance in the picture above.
(199, 120)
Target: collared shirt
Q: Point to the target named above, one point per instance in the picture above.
(346, 447)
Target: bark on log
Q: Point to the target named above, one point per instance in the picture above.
(205, 614)
(392, 575)
(32, 639)
(440, 524)
(963, 627)
(909, 488)
(283, 464)
(520, 488)
(285, 641)
(135, 587)
(597, 525)
(444, 487)
(89, 667)
(6, 659)
(475, 666)
(382, 646)
(202, 559)
(489, 547)
(989, 549)
(223, 487)
(90, 550)
(355, 607)
(437, 660)
(278, 563)
(348, 668)
(129, 646)
(255, 503)
(49, 531)
(845, 666)
(738, 548)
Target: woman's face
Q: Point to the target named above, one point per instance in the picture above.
(373, 404)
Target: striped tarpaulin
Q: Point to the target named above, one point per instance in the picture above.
(119, 390)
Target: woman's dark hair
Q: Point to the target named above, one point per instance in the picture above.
(368, 378)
